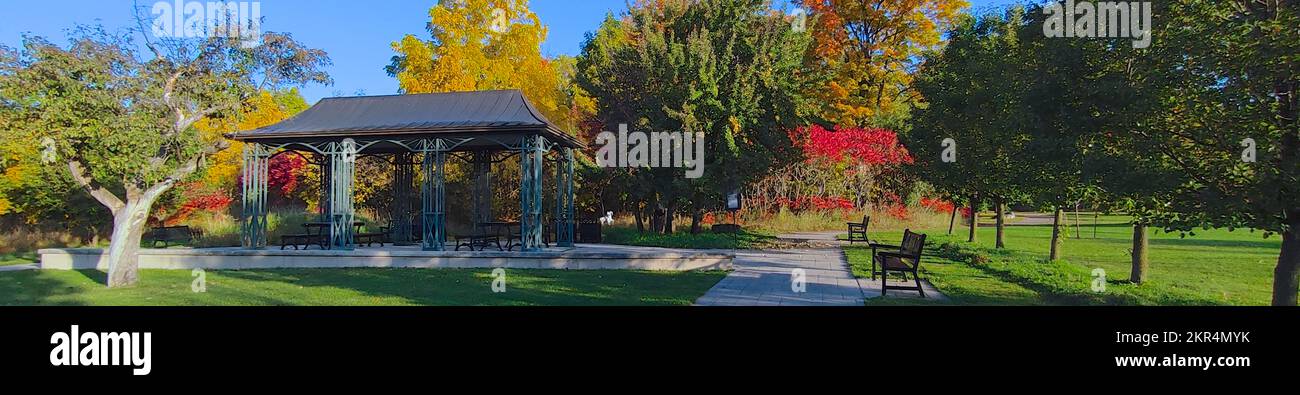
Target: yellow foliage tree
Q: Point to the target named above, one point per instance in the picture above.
(873, 47)
(484, 45)
(262, 110)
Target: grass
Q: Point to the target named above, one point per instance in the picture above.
(1212, 267)
(363, 287)
(785, 221)
(760, 231)
(18, 258)
(962, 284)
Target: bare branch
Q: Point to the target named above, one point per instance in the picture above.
(139, 21)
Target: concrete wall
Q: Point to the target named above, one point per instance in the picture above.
(234, 259)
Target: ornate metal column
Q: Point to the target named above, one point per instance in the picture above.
(530, 192)
(564, 206)
(403, 188)
(253, 222)
(433, 194)
(482, 188)
(323, 206)
(343, 159)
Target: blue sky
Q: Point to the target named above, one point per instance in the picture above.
(355, 33)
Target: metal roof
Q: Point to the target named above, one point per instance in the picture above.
(505, 111)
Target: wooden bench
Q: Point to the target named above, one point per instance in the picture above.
(172, 234)
(480, 240)
(370, 238)
(858, 231)
(906, 259)
(305, 239)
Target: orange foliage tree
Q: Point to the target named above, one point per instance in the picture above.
(873, 46)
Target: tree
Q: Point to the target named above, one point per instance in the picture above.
(1071, 94)
(123, 124)
(264, 109)
(483, 45)
(970, 113)
(732, 70)
(1203, 98)
(872, 48)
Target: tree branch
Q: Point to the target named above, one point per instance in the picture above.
(103, 195)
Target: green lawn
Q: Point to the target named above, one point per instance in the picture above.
(1209, 268)
(365, 287)
(21, 258)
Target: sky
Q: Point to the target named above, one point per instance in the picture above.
(356, 34)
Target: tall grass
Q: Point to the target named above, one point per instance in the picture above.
(222, 230)
(785, 221)
(20, 240)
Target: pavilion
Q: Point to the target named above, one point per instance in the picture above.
(423, 130)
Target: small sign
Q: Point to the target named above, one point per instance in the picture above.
(733, 201)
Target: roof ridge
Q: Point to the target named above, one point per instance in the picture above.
(420, 94)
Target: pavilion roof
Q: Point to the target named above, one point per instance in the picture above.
(497, 112)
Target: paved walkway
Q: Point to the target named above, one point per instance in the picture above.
(766, 278)
(823, 238)
(14, 268)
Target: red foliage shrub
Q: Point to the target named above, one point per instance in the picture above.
(898, 211)
(195, 199)
(938, 205)
(859, 145)
(284, 171)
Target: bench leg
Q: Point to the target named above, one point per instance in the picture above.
(873, 266)
(917, 276)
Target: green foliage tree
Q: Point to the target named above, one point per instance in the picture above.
(732, 70)
(1072, 92)
(1202, 98)
(122, 123)
(969, 99)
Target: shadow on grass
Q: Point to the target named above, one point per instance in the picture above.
(35, 287)
(469, 287)
(1263, 244)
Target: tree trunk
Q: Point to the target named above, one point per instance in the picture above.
(1001, 223)
(1078, 231)
(974, 219)
(124, 246)
(697, 216)
(1056, 235)
(952, 219)
(640, 220)
(669, 213)
(1285, 281)
(1139, 273)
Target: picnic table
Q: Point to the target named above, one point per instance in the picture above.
(316, 233)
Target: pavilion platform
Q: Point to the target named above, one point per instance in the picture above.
(582, 257)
